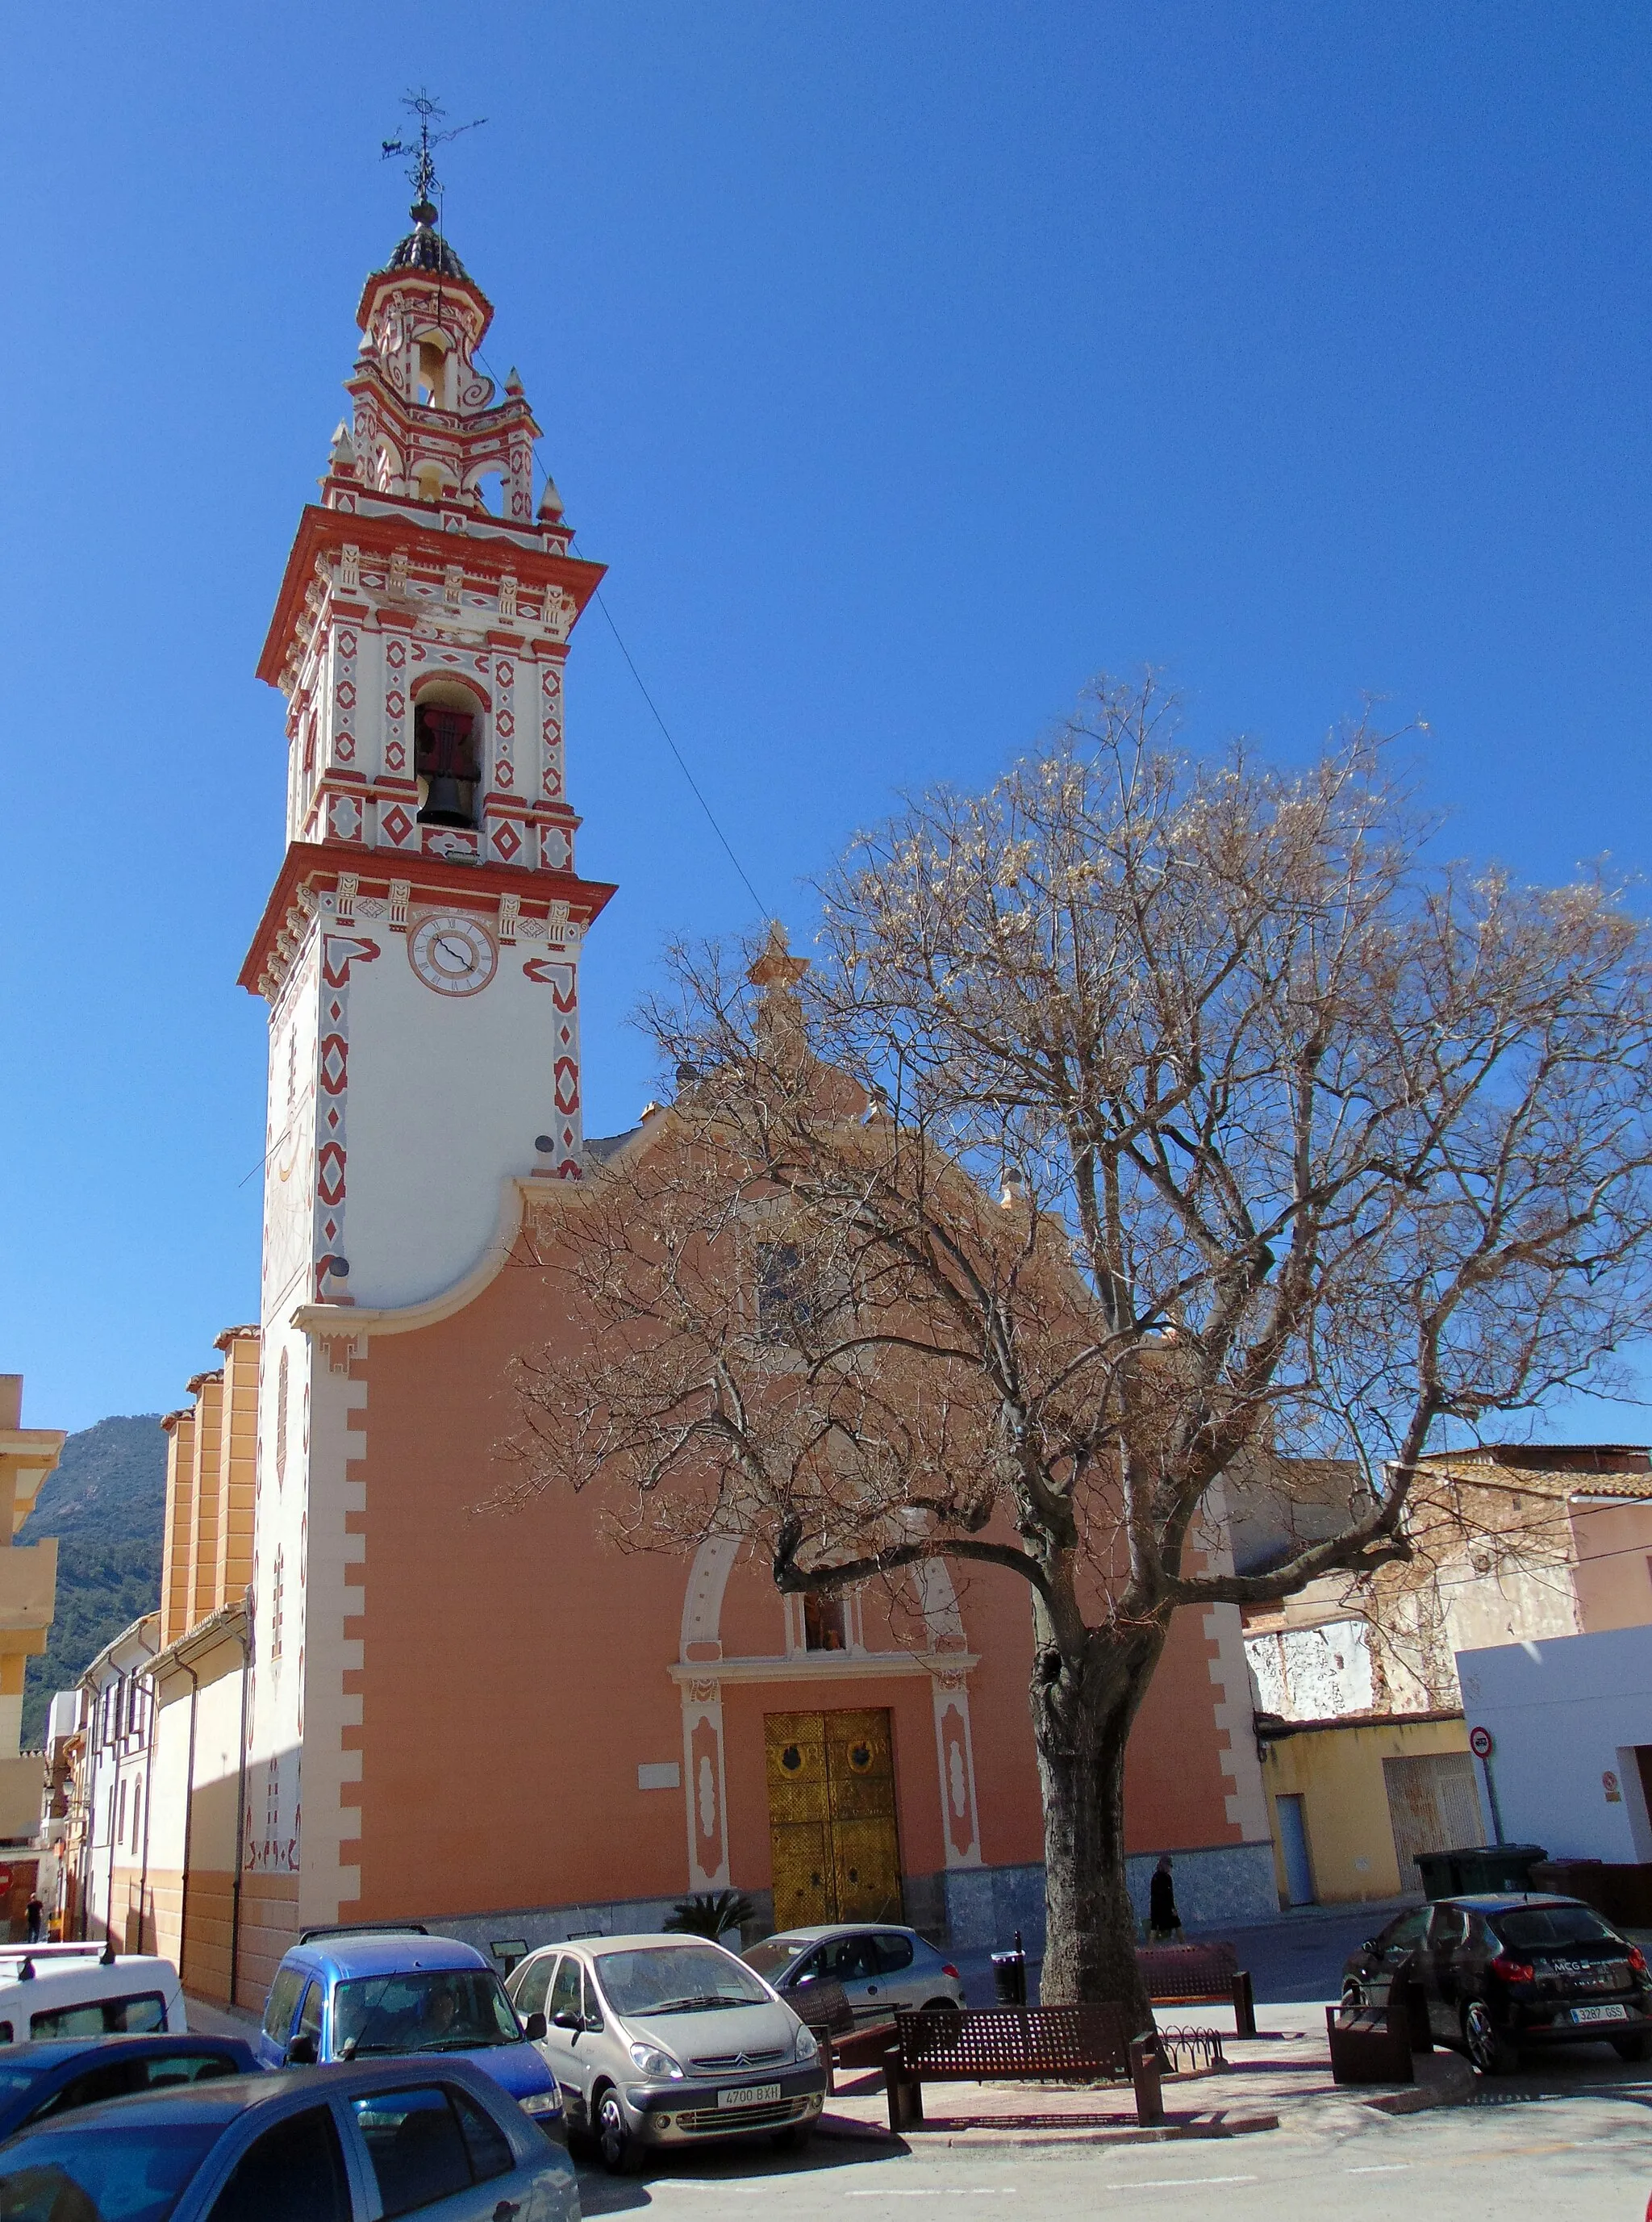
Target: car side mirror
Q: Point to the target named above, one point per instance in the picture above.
(535, 2026)
(302, 2052)
(565, 2019)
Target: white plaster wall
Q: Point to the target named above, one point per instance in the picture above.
(166, 1788)
(1247, 1800)
(1313, 1673)
(1563, 1713)
(446, 1095)
(1511, 1604)
(333, 1591)
(275, 1722)
(289, 1139)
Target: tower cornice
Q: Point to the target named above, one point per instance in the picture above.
(410, 282)
(324, 533)
(310, 869)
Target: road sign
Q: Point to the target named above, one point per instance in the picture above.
(1481, 1744)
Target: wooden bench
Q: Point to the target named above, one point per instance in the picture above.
(824, 2008)
(1022, 2045)
(1199, 1975)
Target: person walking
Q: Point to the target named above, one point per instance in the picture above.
(1163, 1920)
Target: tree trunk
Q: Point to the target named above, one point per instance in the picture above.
(1081, 1723)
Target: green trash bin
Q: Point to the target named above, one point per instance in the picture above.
(1477, 1868)
(1439, 1873)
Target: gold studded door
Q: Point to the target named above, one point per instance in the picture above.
(831, 1803)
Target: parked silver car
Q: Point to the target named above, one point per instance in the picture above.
(660, 2041)
(881, 1968)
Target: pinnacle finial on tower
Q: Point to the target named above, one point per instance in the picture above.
(776, 968)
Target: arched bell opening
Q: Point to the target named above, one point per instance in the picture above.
(486, 489)
(432, 480)
(434, 376)
(447, 751)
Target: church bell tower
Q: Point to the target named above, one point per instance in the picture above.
(420, 957)
(419, 950)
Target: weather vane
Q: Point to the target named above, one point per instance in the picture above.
(421, 170)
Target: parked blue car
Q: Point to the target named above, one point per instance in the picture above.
(381, 2137)
(49, 2079)
(361, 1993)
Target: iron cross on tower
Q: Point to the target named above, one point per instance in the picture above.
(421, 169)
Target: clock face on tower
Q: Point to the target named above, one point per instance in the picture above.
(454, 955)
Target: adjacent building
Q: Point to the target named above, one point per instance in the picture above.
(1530, 1559)
(28, 1577)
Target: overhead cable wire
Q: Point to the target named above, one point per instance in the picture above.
(654, 712)
(710, 815)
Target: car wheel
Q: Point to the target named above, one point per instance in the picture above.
(941, 2005)
(617, 2147)
(1354, 1993)
(1633, 2048)
(1488, 2048)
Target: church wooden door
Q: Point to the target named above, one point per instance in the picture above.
(831, 1805)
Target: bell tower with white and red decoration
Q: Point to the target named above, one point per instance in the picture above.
(419, 950)
(420, 956)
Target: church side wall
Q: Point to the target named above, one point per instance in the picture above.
(513, 1671)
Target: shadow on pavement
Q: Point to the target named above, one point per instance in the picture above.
(734, 2173)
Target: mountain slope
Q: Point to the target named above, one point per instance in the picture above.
(106, 1504)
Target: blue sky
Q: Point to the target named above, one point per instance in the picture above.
(908, 365)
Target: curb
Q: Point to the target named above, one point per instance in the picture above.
(1447, 2084)
(977, 2135)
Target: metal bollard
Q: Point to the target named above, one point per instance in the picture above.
(1145, 2066)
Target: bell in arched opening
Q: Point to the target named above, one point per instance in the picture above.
(445, 759)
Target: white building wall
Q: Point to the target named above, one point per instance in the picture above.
(1565, 1715)
(168, 1780)
(1313, 1673)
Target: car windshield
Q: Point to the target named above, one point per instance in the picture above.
(676, 1979)
(775, 1954)
(1541, 1928)
(118, 2174)
(423, 2010)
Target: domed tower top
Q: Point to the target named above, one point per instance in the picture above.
(424, 248)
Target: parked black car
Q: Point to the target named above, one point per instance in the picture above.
(1498, 1973)
(60, 2074)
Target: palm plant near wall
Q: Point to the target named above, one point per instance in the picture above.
(711, 1913)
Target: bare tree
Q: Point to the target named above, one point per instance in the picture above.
(1139, 1118)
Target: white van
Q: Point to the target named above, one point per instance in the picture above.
(84, 1990)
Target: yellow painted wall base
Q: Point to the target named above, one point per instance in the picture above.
(1337, 1771)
